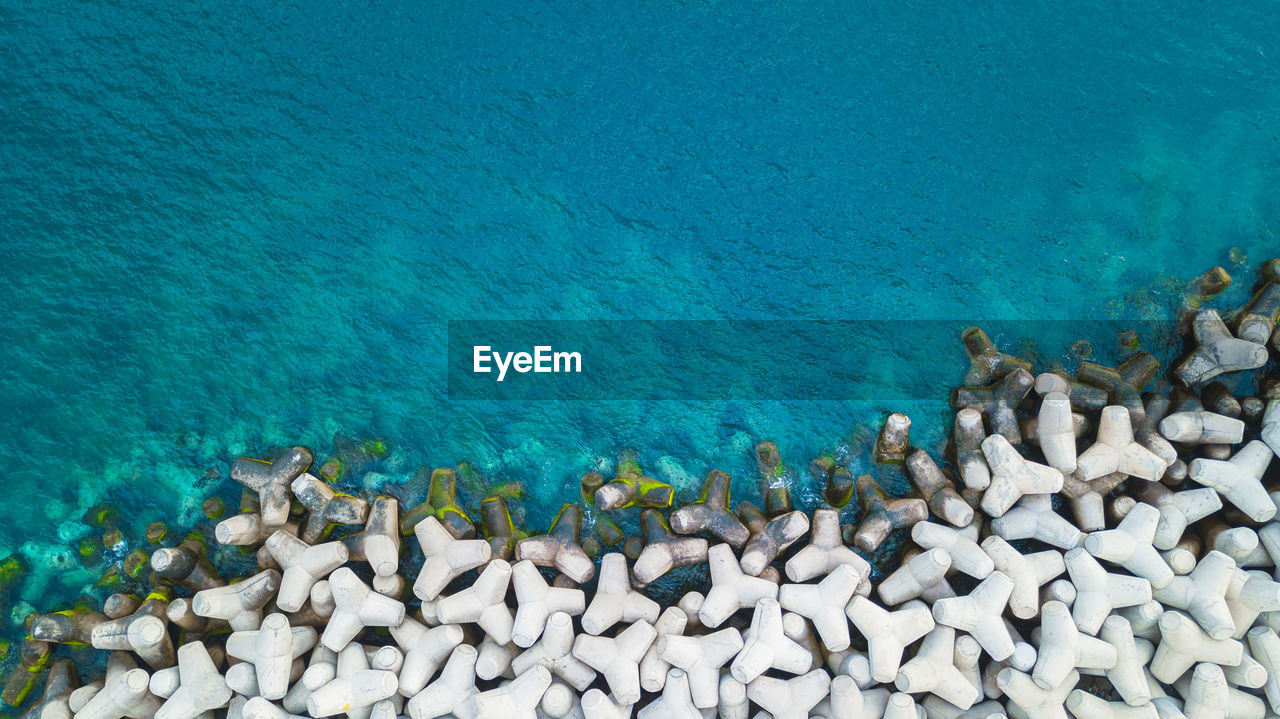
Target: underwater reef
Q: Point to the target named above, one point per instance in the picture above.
(1101, 543)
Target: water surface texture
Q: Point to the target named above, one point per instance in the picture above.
(228, 227)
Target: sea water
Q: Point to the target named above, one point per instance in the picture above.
(228, 227)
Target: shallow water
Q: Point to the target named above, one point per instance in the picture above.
(228, 228)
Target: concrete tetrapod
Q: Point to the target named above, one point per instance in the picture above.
(1013, 476)
(200, 687)
(483, 603)
(826, 551)
(700, 658)
(271, 650)
(615, 601)
(933, 670)
(1098, 593)
(1239, 479)
(618, 658)
(356, 606)
(731, 589)
(790, 698)
(979, 614)
(1117, 451)
(823, 604)
(889, 633)
(1130, 546)
(446, 557)
(1064, 648)
(766, 646)
(711, 513)
(536, 601)
(303, 566)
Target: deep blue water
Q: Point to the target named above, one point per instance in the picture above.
(228, 227)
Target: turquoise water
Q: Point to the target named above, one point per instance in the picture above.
(227, 228)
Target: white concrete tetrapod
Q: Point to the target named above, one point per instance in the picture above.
(516, 700)
(560, 701)
(243, 680)
(765, 646)
(790, 698)
(598, 705)
(1013, 476)
(966, 555)
(1056, 430)
(653, 668)
(554, 650)
(980, 614)
(1028, 700)
(270, 650)
(536, 601)
(1178, 510)
(700, 659)
(901, 706)
(494, 660)
(446, 695)
(201, 688)
(1264, 645)
(618, 658)
(675, 701)
(303, 565)
(825, 551)
(1207, 694)
(733, 703)
(1099, 592)
(1130, 546)
(1249, 596)
(446, 557)
(1116, 450)
(933, 670)
(124, 694)
(1033, 518)
(1183, 643)
(1064, 648)
(799, 630)
(356, 606)
(259, 708)
(1202, 427)
(823, 604)
(239, 604)
(889, 633)
(483, 603)
(915, 577)
(845, 699)
(1203, 594)
(1239, 479)
(247, 529)
(1028, 572)
(1128, 676)
(425, 649)
(615, 601)
(355, 686)
(731, 589)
